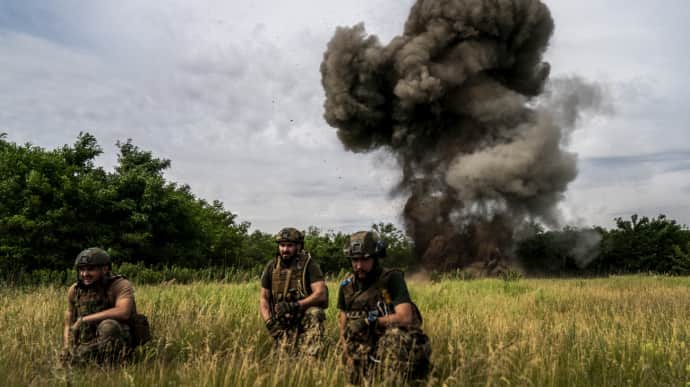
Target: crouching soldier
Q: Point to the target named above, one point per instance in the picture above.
(101, 322)
(380, 326)
(293, 296)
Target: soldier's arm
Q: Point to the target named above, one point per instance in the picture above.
(124, 304)
(403, 312)
(265, 304)
(403, 316)
(318, 296)
(342, 320)
(68, 323)
(70, 316)
(122, 311)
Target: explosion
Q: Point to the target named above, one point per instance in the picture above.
(453, 98)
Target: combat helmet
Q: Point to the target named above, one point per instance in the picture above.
(290, 234)
(365, 244)
(93, 256)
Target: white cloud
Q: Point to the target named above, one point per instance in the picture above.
(663, 193)
(231, 93)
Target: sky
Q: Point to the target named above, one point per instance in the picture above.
(231, 93)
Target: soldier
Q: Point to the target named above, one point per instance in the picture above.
(294, 296)
(379, 323)
(101, 313)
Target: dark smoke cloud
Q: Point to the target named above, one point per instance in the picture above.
(453, 98)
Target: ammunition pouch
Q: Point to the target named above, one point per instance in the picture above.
(353, 315)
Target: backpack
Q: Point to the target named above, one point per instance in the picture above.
(140, 329)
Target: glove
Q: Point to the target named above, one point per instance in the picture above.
(274, 328)
(361, 325)
(283, 309)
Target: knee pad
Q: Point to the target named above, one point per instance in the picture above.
(316, 313)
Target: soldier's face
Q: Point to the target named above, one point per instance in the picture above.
(361, 266)
(287, 249)
(90, 274)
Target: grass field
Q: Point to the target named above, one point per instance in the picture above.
(619, 331)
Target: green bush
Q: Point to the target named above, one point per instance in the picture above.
(644, 245)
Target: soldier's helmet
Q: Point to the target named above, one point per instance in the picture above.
(93, 256)
(365, 244)
(290, 234)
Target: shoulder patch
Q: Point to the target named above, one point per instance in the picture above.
(346, 282)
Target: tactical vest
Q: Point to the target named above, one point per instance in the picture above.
(358, 303)
(93, 300)
(290, 283)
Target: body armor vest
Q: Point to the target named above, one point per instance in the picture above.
(374, 297)
(359, 303)
(91, 300)
(289, 283)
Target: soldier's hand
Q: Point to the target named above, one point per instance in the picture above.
(286, 308)
(77, 324)
(274, 328)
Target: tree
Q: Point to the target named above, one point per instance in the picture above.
(55, 203)
(257, 249)
(399, 248)
(327, 248)
(646, 245)
(38, 192)
(567, 251)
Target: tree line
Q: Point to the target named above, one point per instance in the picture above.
(54, 203)
(638, 245)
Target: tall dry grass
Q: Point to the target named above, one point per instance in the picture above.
(596, 332)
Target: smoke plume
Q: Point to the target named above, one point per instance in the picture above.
(454, 98)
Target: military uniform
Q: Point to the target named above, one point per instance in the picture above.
(290, 282)
(390, 352)
(108, 339)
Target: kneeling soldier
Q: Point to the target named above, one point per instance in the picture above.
(101, 316)
(293, 296)
(379, 324)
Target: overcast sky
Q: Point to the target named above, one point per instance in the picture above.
(230, 91)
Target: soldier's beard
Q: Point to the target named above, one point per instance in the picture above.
(368, 277)
(287, 258)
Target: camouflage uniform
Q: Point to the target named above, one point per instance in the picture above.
(305, 336)
(400, 352)
(393, 353)
(302, 330)
(106, 341)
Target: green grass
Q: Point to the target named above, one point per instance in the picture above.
(619, 331)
